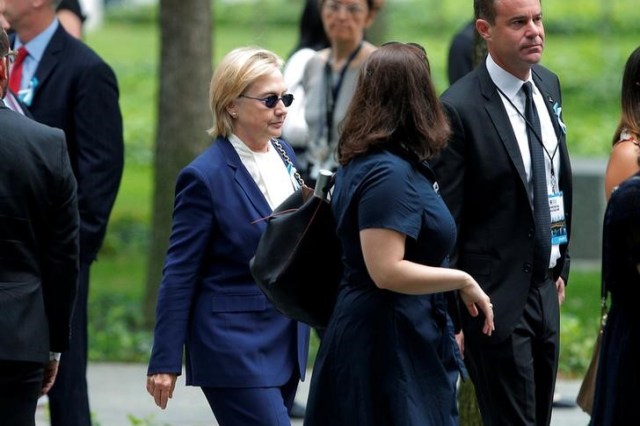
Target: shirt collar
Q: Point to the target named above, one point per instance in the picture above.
(239, 146)
(38, 44)
(509, 84)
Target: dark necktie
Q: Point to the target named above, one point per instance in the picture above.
(542, 249)
(16, 70)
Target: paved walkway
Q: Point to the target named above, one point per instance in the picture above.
(119, 398)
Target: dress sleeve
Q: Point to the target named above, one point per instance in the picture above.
(389, 199)
(621, 232)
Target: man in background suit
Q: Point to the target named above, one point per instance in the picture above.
(66, 85)
(486, 178)
(461, 51)
(39, 229)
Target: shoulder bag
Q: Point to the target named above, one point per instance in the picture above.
(297, 263)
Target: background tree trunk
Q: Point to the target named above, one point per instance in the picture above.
(183, 118)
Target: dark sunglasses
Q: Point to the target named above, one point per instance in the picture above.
(272, 100)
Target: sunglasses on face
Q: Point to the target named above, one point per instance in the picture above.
(272, 100)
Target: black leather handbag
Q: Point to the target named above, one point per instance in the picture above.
(297, 263)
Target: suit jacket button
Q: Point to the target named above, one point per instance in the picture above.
(527, 268)
(530, 233)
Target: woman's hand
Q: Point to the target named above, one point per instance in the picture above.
(474, 297)
(160, 386)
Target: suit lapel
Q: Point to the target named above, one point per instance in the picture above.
(242, 177)
(549, 102)
(49, 58)
(498, 115)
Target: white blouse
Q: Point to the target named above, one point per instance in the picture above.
(267, 169)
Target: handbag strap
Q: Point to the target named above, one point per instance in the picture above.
(276, 143)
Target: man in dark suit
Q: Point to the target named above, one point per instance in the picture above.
(461, 51)
(66, 85)
(39, 229)
(511, 238)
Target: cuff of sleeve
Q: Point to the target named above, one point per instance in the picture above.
(54, 356)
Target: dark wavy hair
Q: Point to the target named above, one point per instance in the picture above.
(630, 97)
(486, 9)
(310, 28)
(395, 105)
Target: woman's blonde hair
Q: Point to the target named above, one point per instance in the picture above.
(237, 71)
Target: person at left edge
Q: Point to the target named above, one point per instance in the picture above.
(39, 228)
(67, 85)
(244, 354)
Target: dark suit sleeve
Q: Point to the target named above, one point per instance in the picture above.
(450, 171)
(460, 58)
(193, 221)
(564, 273)
(100, 156)
(60, 252)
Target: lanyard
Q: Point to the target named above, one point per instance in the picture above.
(554, 185)
(332, 90)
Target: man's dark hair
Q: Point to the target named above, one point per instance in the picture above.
(485, 9)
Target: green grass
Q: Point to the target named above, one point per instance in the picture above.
(587, 51)
(579, 318)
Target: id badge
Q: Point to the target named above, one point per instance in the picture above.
(558, 221)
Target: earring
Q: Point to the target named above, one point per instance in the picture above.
(234, 114)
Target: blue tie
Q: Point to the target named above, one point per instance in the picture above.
(542, 249)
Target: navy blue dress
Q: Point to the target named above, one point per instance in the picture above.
(616, 397)
(387, 358)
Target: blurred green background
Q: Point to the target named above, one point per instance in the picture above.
(587, 45)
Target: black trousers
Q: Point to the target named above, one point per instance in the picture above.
(515, 378)
(20, 385)
(69, 396)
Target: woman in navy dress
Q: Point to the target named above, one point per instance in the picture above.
(618, 377)
(389, 356)
(619, 371)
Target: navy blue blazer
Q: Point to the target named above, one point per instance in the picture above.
(76, 91)
(483, 181)
(208, 301)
